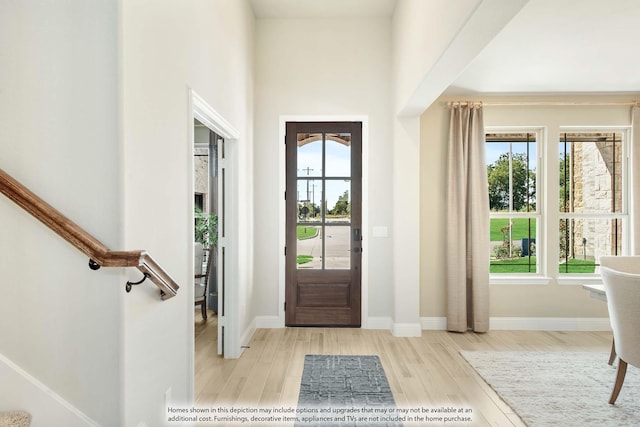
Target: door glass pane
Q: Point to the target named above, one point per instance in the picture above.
(337, 243)
(309, 244)
(338, 155)
(309, 200)
(338, 203)
(309, 154)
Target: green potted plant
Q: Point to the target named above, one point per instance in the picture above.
(206, 229)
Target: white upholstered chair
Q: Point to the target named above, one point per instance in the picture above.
(200, 279)
(621, 278)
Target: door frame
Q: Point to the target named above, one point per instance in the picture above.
(282, 229)
(199, 109)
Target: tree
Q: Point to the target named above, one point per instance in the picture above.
(342, 206)
(523, 183)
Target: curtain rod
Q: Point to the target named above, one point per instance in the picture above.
(541, 103)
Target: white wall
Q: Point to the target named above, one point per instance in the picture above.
(337, 67)
(168, 47)
(60, 321)
(432, 43)
(94, 117)
(423, 31)
(510, 300)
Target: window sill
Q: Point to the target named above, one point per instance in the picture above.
(591, 279)
(519, 280)
(582, 279)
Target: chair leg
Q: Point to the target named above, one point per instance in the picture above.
(612, 356)
(203, 307)
(622, 370)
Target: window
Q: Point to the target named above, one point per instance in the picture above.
(592, 206)
(556, 221)
(512, 163)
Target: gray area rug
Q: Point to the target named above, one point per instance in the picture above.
(560, 388)
(332, 383)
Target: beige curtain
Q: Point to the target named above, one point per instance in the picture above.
(468, 222)
(635, 175)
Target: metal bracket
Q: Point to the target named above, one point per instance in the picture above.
(130, 284)
(93, 265)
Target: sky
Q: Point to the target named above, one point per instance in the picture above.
(338, 163)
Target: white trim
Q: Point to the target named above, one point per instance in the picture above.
(440, 324)
(533, 279)
(574, 279)
(550, 323)
(434, 323)
(246, 336)
(211, 118)
(36, 402)
(364, 289)
(529, 323)
(268, 322)
(385, 323)
(406, 330)
(201, 110)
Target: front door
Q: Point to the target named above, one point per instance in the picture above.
(324, 215)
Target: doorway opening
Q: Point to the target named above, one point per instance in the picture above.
(206, 193)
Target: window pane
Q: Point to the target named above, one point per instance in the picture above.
(513, 245)
(511, 172)
(309, 200)
(584, 240)
(338, 203)
(337, 247)
(591, 172)
(309, 244)
(309, 154)
(338, 155)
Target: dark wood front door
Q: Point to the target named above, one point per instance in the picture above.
(324, 215)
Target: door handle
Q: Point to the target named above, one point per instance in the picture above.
(356, 235)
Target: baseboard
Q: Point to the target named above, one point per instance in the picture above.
(20, 390)
(246, 337)
(530, 323)
(379, 323)
(433, 323)
(406, 330)
(268, 322)
(550, 323)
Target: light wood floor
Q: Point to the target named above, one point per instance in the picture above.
(422, 372)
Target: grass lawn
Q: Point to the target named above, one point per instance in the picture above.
(303, 259)
(578, 266)
(528, 265)
(306, 232)
(516, 265)
(519, 230)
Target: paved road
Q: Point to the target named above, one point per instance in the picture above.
(338, 248)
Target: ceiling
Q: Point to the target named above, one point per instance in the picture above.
(549, 47)
(561, 46)
(304, 9)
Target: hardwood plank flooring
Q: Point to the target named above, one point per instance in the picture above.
(423, 372)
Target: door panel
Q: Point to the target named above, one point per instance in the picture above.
(323, 277)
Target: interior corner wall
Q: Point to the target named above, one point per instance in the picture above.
(60, 322)
(169, 47)
(322, 67)
(422, 31)
(510, 300)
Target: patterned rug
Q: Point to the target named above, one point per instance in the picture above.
(560, 388)
(344, 391)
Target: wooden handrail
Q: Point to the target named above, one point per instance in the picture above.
(98, 253)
